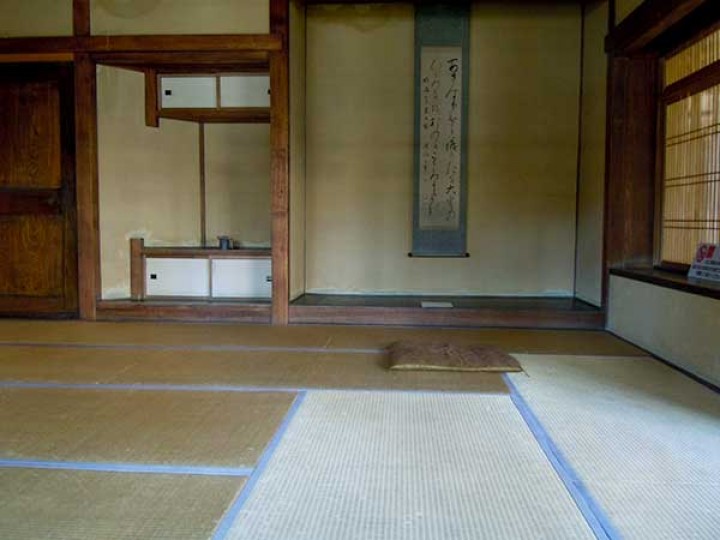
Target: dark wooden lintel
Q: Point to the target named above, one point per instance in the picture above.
(651, 19)
(153, 44)
(209, 62)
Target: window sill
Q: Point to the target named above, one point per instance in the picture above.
(670, 280)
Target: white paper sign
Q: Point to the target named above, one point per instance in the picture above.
(440, 137)
(706, 264)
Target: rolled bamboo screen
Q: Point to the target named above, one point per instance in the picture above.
(691, 209)
(691, 180)
(693, 58)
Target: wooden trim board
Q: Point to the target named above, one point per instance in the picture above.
(591, 320)
(185, 310)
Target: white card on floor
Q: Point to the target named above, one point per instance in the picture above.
(436, 304)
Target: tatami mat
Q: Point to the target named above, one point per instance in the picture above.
(643, 438)
(239, 368)
(102, 506)
(180, 428)
(179, 335)
(408, 466)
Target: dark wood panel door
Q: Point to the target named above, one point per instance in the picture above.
(38, 246)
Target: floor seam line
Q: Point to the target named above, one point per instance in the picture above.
(119, 467)
(190, 348)
(152, 387)
(231, 514)
(593, 513)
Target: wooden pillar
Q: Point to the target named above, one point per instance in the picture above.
(280, 184)
(137, 268)
(86, 170)
(81, 17)
(631, 154)
(280, 166)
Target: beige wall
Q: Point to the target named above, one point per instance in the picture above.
(27, 18)
(297, 149)
(623, 8)
(678, 327)
(522, 152)
(237, 176)
(588, 284)
(180, 16)
(149, 179)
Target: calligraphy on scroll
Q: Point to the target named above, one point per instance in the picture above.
(440, 130)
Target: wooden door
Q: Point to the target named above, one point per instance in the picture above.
(38, 247)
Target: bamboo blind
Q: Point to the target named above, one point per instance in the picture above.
(691, 202)
(693, 58)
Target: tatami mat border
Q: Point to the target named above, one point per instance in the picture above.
(142, 387)
(588, 506)
(197, 348)
(141, 468)
(232, 512)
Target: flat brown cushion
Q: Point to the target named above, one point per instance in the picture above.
(412, 355)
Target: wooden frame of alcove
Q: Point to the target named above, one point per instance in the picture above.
(147, 52)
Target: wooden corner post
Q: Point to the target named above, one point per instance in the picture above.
(280, 169)
(87, 186)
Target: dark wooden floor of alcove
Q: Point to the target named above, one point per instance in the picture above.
(459, 302)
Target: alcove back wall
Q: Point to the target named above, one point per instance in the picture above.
(523, 136)
(149, 181)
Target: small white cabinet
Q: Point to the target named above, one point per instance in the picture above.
(177, 277)
(208, 278)
(188, 92)
(241, 278)
(244, 91)
(235, 91)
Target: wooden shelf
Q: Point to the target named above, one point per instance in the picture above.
(206, 253)
(670, 280)
(250, 115)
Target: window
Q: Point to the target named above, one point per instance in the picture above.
(690, 191)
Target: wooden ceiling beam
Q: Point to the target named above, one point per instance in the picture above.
(648, 22)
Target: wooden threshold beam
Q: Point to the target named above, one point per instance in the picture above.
(477, 318)
(186, 310)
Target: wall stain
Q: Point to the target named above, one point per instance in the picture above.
(361, 17)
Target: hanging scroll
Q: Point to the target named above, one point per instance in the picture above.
(441, 54)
